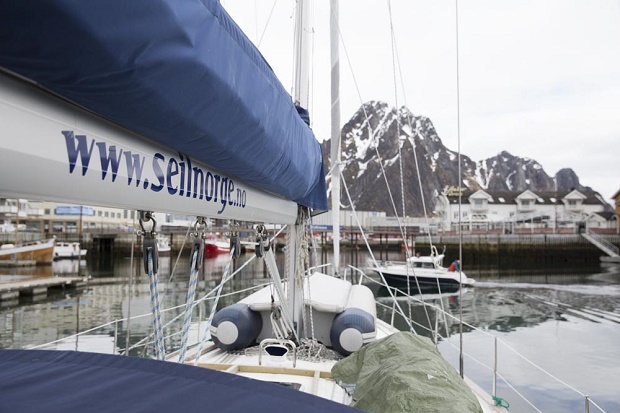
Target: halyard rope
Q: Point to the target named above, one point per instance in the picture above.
(155, 310)
(187, 319)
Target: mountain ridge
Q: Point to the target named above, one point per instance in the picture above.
(378, 131)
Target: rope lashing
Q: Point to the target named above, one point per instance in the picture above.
(151, 265)
(501, 402)
(198, 248)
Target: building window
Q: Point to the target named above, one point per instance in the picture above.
(478, 202)
(525, 202)
(572, 202)
(48, 211)
(455, 215)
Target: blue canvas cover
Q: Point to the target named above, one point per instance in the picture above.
(45, 381)
(180, 73)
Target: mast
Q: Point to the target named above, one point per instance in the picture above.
(301, 97)
(335, 131)
(303, 29)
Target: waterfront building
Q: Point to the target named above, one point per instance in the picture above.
(522, 212)
(52, 218)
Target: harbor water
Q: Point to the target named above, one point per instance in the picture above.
(565, 321)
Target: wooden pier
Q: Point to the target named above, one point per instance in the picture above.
(37, 286)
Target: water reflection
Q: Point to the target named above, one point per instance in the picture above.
(566, 320)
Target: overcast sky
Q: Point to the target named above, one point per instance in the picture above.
(538, 78)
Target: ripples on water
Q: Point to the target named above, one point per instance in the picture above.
(564, 320)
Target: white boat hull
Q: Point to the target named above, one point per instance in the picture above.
(69, 250)
(39, 252)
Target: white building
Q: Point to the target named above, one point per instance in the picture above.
(53, 218)
(511, 212)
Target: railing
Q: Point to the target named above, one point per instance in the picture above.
(394, 311)
(588, 402)
(145, 342)
(602, 243)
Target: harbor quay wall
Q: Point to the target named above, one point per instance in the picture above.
(519, 250)
(483, 249)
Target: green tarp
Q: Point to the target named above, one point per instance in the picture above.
(404, 373)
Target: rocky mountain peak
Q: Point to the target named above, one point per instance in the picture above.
(382, 137)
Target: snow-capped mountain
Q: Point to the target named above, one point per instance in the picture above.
(377, 137)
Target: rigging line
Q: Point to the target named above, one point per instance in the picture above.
(400, 147)
(402, 183)
(256, 19)
(187, 318)
(172, 273)
(372, 256)
(416, 130)
(205, 297)
(130, 285)
(155, 309)
(266, 24)
(372, 137)
(403, 231)
(458, 133)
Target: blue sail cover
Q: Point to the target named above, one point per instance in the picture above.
(180, 73)
(68, 381)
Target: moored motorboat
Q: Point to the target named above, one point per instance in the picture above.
(215, 245)
(163, 245)
(424, 274)
(39, 252)
(69, 250)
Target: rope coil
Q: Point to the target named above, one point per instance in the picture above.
(501, 402)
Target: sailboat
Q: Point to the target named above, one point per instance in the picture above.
(167, 105)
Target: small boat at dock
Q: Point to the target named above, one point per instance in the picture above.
(215, 246)
(69, 250)
(40, 252)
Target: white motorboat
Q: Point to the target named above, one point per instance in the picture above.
(424, 274)
(69, 250)
(163, 245)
